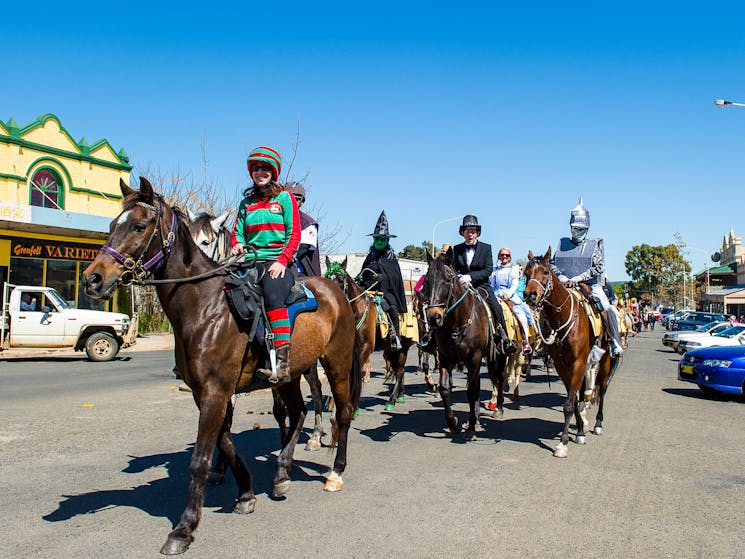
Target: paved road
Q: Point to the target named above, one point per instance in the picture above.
(94, 457)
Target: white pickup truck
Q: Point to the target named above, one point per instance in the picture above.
(37, 317)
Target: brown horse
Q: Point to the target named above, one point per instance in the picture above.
(571, 344)
(420, 304)
(462, 333)
(214, 356)
(212, 236)
(366, 312)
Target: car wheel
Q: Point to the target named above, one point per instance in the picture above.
(101, 347)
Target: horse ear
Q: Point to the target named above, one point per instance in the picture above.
(429, 256)
(219, 221)
(126, 191)
(191, 214)
(448, 256)
(547, 256)
(530, 255)
(344, 264)
(328, 261)
(146, 190)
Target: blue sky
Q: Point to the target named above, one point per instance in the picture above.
(428, 110)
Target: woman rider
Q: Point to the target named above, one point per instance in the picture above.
(504, 281)
(268, 221)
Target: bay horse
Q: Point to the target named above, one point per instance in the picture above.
(420, 304)
(569, 343)
(212, 236)
(366, 313)
(214, 356)
(462, 333)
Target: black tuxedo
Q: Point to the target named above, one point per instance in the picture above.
(480, 269)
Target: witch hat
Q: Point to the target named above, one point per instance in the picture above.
(381, 228)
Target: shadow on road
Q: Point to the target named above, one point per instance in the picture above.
(166, 496)
(698, 394)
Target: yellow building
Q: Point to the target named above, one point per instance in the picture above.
(57, 198)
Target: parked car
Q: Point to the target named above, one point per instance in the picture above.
(695, 319)
(665, 320)
(734, 335)
(715, 369)
(672, 338)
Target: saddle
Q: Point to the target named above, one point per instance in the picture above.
(407, 322)
(246, 299)
(592, 305)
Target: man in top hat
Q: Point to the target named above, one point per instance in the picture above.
(582, 260)
(381, 272)
(307, 258)
(473, 261)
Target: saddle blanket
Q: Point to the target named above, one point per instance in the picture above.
(407, 323)
(596, 321)
(303, 302)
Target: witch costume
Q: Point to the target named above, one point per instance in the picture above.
(381, 272)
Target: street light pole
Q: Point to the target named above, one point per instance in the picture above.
(706, 264)
(435, 229)
(722, 103)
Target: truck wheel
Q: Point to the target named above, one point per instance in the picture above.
(101, 347)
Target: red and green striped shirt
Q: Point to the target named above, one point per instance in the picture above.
(271, 226)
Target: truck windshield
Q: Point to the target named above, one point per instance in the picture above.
(58, 300)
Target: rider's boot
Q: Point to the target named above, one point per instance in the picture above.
(283, 366)
(394, 334)
(616, 349)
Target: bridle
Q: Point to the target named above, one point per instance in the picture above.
(135, 271)
(537, 309)
(451, 294)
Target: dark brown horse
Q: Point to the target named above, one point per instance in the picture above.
(213, 355)
(462, 332)
(366, 312)
(212, 236)
(569, 342)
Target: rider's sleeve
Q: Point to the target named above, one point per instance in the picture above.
(291, 218)
(238, 234)
(513, 280)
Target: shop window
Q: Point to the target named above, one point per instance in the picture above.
(61, 276)
(26, 271)
(45, 189)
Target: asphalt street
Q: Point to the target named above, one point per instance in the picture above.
(94, 461)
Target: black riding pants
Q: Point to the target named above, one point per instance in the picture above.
(392, 312)
(276, 290)
(496, 308)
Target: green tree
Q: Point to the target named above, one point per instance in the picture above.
(413, 252)
(656, 269)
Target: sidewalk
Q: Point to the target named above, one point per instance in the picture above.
(145, 342)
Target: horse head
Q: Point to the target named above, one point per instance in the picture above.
(440, 287)
(337, 272)
(210, 234)
(139, 242)
(539, 278)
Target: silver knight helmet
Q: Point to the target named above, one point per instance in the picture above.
(579, 222)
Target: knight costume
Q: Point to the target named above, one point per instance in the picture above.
(579, 259)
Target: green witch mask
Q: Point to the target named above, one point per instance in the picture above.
(380, 243)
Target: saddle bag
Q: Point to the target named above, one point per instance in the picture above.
(245, 296)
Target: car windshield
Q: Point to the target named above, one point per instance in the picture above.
(706, 327)
(61, 303)
(731, 332)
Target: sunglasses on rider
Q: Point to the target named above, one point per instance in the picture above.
(503, 254)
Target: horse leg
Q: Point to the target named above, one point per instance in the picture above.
(311, 375)
(293, 400)
(445, 390)
(580, 420)
(496, 371)
(279, 411)
(338, 375)
(366, 378)
(398, 394)
(212, 408)
(473, 391)
(562, 450)
(602, 388)
(246, 501)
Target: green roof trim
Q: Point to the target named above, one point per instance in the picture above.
(18, 178)
(16, 137)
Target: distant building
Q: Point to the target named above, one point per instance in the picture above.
(726, 281)
(411, 270)
(57, 198)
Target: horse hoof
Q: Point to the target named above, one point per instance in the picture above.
(245, 507)
(215, 478)
(401, 399)
(174, 546)
(333, 482)
(497, 414)
(491, 406)
(580, 439)
(312, 445)
(598, 430)
(390, 407)
(281, 488)
(561, 451)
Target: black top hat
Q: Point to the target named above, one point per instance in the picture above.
(381, 228)
(470, 221)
